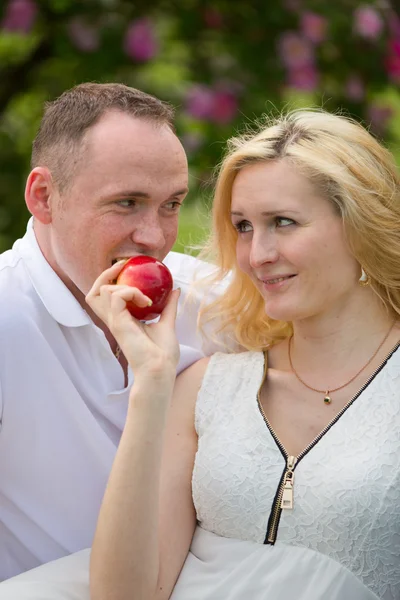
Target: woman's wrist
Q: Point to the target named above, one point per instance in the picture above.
(153, 386)
(156, 373)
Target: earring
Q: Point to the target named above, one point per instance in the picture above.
(364, 279)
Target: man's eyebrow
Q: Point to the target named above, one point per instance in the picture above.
(130, 194)
(181, 192)
(145, 195)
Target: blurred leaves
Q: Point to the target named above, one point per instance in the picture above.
(221, 63)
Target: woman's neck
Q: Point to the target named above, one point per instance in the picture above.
(342, 340)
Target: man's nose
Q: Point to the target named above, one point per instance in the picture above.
(149, 234)
(263, 250)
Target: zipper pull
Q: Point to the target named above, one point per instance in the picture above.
(287, 494)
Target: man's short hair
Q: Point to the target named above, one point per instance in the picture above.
(58, 143)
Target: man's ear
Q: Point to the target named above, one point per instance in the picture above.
(38, 191)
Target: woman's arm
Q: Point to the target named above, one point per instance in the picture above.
(177, 517)
(147, 518)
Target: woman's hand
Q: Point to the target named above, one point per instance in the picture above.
(149, 348)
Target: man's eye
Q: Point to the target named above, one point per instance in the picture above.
(284, 221)
(173, 206)
(126, 203)
(243, 227)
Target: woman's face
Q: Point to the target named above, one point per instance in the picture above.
(291, 242)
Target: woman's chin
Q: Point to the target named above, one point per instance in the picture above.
(279, 312)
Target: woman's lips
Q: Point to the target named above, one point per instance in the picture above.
(276, 279)
(276, 283)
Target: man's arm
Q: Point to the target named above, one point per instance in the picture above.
(190, 275)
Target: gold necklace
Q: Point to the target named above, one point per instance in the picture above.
(327, 398)
(117, 352)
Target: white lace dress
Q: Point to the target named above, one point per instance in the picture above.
(340, 540)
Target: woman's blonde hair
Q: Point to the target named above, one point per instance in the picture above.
(352, 169)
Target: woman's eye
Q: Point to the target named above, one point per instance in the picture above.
(243, 227)
(284, 221)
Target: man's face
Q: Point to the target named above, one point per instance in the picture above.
(124, 199)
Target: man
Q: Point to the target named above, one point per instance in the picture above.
(108, 178)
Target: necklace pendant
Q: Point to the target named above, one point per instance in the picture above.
(327, 398)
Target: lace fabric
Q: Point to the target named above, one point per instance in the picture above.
(347, 487)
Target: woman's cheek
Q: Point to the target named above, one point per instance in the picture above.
(242, 257)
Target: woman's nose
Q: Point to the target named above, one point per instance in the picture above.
(263, 250)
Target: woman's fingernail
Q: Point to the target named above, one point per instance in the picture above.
(149, 302)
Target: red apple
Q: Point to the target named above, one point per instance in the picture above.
(152, 278)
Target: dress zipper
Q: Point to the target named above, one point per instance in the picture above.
(287, 483)
(284, 499)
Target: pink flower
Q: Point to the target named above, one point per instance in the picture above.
(219, 106)
(394, 46)
(303, 78)
(225, 107)
(199, 102)
(368, 23)
(140, 42)
(379, 116)
(355, 88)
(392, 61)
(394, 24)
(295, 50)
(20, 16)
(313, 27)
(393, 68)
(85, 37)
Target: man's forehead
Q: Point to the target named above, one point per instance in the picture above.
(138, 141)
(115, 123)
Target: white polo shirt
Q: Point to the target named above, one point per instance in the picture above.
(62, 407)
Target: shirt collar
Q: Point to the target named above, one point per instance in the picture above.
(56, 297)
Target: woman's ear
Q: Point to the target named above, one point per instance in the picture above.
(38, 191)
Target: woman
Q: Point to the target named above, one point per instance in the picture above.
(281, 462)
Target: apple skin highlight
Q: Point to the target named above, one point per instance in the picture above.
(152, 278)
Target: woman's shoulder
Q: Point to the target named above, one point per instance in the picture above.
(196, 370)
(219, 370)
(235, 358)
(221, 360)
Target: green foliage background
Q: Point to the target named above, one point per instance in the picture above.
(197, 50)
